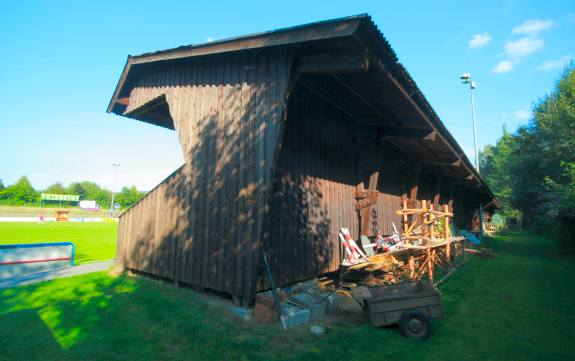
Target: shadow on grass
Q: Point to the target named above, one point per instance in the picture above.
(63, 320)
(99, 317)
(523, 244)
(23, 333)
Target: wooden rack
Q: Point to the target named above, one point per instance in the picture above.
(426, 231)
(429, 251)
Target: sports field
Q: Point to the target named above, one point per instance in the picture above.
(31, 211)
(94, 241)
(516, 306)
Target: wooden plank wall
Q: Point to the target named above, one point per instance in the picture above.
(390, 189)
(203, 224)
(148, 232)
(314, 190)
(227, 112)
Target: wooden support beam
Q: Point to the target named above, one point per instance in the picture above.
(124, 101)
(437, 194)
(337, 103)
(365, 201)
(450, 197)
(331, 99)
(457, 163)
(415, 185)
(379, 66)
(152, 104)
(378, 110)
(435, 161)
(333, 63)
(369, 162)
(404, 218)
(425, 134)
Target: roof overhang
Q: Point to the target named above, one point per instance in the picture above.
(343, 27)
(349, 34)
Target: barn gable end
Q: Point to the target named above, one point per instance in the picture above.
(227, 112)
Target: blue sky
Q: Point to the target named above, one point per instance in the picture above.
(60, 62)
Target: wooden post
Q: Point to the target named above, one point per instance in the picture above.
(480, 221)
(368, 162)
(450, 198)
(431, 218)
(423, 219)
(365, 221)
(414, 186)
(411, 268)
(404, 218)
(447, 236)
(429, 265)
(437, 195)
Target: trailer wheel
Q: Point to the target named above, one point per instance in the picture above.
(415, 324)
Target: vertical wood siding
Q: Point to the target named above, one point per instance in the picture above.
(203, 224)
(228, 114)
(313, 194)
(390, 187)
(313, 191)
(149, 236)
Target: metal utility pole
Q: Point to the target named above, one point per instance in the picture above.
(114, 167)
(466, 79)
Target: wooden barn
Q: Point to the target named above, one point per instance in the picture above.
(287, 136)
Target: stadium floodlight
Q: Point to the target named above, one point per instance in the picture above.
(466, 79)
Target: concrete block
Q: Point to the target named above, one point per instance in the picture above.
(333, 303)
(246, 314)
(316, 305)
(295, 316)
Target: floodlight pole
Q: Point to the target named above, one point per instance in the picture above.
(114, 167)
(472, 90)
(466, 79)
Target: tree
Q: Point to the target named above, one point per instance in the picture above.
(495, 163)
(20, 192)
(56, 188)
(1, 185)
(92, 191)
(533, 170)
(78, 188)
(128, 196)
(554, 132)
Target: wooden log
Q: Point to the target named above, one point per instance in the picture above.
(409, 211)
(404, 216)
(358, 194)
(410, 228)
(431, 220)
(437, 194)
(423, 220)
(430, 265)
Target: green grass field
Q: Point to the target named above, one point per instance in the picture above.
(517, 306)
(33, 211)
(94, 241)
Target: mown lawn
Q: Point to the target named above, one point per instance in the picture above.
(34, 211)
(517, 306)
(94, 241)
